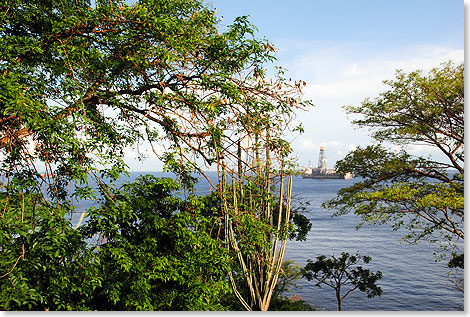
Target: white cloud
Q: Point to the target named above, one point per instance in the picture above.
(345, 74)
(353, 70)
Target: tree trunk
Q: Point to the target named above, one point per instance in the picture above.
(338, 298)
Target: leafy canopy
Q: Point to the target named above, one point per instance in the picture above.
(144, 248)
(423, 194)
(83, 82)
(156, 251)
(343, 274)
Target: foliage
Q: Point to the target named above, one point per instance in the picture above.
(156, 251)
(456, 276)
(423, 195)
(82, 82)
(85, 81)
(287, 304)
(343, 272)
(257, 207)
(290, 273)
(288, 276)
(457, 261)
(44, 264)
(250, 238)
(256, 236)
(152, 251)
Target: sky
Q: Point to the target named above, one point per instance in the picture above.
(344, 49)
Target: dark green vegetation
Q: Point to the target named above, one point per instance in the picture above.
(422, 194)
(83, 82)
(343, 275)
(157, 252)
(154, 251)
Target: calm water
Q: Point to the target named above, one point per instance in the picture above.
(411, 280)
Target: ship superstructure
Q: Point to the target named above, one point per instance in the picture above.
(322, 171)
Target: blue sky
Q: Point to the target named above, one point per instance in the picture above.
(344, 49)
(388, 23)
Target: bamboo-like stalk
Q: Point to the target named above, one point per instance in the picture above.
(228, 240)
(276, 259)
(284, 241)
(233, 242)
(239, 159)
(268, 176)
(261, 267)
(260, 278)
(232, 281)
(246, 272)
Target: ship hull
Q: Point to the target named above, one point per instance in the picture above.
(331, 174)
(319, 176)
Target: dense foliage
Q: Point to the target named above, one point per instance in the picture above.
(44, 260)
(422, 194)
(157, 252)
(83, 82)
(143, 249)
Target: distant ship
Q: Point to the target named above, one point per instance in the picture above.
(322, 171)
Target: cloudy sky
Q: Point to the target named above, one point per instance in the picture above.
(344, 49)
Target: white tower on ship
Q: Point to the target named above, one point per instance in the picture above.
(322, 166)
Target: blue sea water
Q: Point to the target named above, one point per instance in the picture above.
(412, 279)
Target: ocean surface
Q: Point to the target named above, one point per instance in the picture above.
(412, 279)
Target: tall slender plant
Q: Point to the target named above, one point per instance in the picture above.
(256, 218)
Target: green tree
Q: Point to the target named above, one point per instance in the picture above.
(342, 274)
(144, 248)
(83, 81)
(155, 250)
(423, 194)
(290, 273)
(258, 215)
(45, 262)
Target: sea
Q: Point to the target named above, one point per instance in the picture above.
(412, 278)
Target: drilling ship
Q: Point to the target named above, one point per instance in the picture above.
(322, 171)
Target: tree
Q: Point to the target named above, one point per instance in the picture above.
(45, 262)
(156, 251)
(341, 272)
(83, 81)
(257, 221)
(456, 277)
(256, 232)
(424, 195)
(290, 273)
(144, 248)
